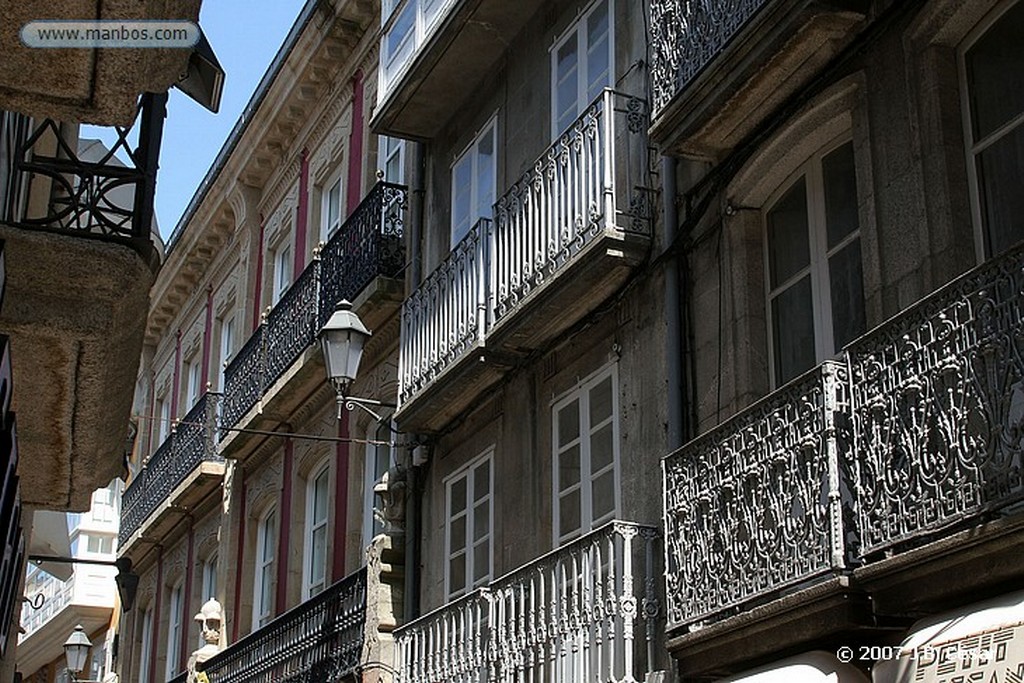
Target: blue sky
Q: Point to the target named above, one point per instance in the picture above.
(245, 35)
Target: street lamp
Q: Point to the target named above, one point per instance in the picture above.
(342, 340)
(76, 651)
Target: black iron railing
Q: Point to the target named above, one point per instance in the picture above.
(105, 194)
(685, 36)
(912, 432)
(367, 245)
(191, 443)
(317, 642)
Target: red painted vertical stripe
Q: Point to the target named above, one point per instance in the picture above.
(340, 499)
(284, 533)
(239, 557)
(153, 417)
(176, 383)
(257, 295)
(355, 146)
(155, 631)
(186, 599)
(302, 217)
(207, 338)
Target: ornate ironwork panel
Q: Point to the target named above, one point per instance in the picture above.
(686, 35)
(939, 407)
(585, 183)
(292, 325)
(762, 501)
(109, 196)
(447, 314)
(368, 244)
(572, 615)
(192, 442)
(243, 380)
(319, 641)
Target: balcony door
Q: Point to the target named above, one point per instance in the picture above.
(815, 283)
(474, 178)
(581, 65)
(992, 73)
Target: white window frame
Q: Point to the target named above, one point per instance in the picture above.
(265, 569)
(386, 153)
(163, 420)
(226, 335)
(175, 624)
(370, 479)
(820, 253)
(426, 14)
(972, 148)
(466, 472)
(146, 646)
(284, 262)
(581, 393)
(469, 155)
(314, 526)
(578, 33)
(327, 226)
(193, 380)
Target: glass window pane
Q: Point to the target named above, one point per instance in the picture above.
(598, 75)
(846, 282)
(457, 573)
(569, 513)
(568, 467)
(994, 74)
(462, 186)
(601, 448)
(482, 480)
(481, 520)
(566, 85)
(603, 494)
(788, 248)
(1001, 184)
(320, 497)
(485, 176)
(793, 331)
(601, 401)
(400, 31)
(318, 559)
(840, 194)
(481, 562)
(568, 423)
(457, 534)
(458, 497)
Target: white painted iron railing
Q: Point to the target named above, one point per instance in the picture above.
(584, 612)
(446, 314)
(587, 182)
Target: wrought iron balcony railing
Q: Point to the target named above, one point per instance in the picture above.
(938, 399)
(588, 182)
(914, 431)
(368, 244)
(685, 36)
(584, 612)
(191, 443)
(317, 642)
(447, 314)
(757, 504)
(106, 193)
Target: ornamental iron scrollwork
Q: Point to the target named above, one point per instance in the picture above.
(939, 408)
(760, 502)
(686, 35)
(571, 615)
(108, 197)
(319, 641)
(190, 443)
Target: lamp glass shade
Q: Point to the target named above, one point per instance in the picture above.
(342, 340)
(76, 649)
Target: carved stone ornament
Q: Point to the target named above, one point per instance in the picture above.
(211, 621)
